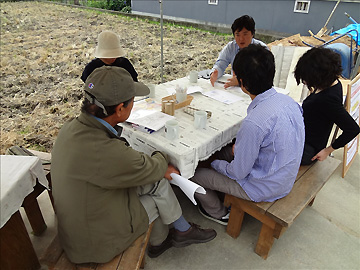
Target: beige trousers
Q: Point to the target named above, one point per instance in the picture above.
(162, 207)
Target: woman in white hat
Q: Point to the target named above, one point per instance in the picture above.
(108, 52)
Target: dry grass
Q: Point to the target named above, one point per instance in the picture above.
(44, 48)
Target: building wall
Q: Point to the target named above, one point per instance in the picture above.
(271, 15)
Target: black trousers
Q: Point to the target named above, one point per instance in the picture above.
(308, 154)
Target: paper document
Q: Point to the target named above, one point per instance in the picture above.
(193, 89)
(222, 96)
(187, 186)
(153, 120)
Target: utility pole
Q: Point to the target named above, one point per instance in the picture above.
(161, 42)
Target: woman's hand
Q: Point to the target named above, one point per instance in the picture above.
(323, 154)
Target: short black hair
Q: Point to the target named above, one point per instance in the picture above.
(255, 66)
(318, 68)
(95, 110)
(244, 21)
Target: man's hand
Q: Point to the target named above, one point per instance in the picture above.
(323, 154)
(214, 76)
(231, 82)
(233, 149)
(171, 169)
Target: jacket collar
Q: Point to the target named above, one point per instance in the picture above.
(91, 121)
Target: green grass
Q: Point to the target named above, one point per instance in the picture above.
(25, 131)
(100, 4)
(37, 147)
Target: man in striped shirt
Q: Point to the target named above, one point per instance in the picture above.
(263, 163)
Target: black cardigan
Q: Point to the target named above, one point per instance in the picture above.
(119, 62)
(321, 111)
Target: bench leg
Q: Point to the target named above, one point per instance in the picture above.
(35, 217)
(17, 251)
(279, 230)
(235, 222)
(142, 264)
(312, 201)
(48, 177)
(265, 241)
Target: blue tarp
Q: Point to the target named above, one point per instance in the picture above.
(354, 35)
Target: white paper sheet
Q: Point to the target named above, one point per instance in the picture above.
(193, 89)
(187, 186)
(223, 96)
(153, 120)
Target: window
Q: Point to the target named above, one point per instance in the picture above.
(212, 2)
(302, 6)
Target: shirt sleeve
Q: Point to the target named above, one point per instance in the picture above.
(224, 59)
(247, 146)
(346, 123)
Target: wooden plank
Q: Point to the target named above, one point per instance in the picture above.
(285, 210)
(264, 206)
(86, 266)
(112, 265)
(16, 249)
(33, 212)
(133, 256)
(42, 155)
(64, 263)
(52, 253)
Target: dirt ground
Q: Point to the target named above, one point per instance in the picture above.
(44, 48)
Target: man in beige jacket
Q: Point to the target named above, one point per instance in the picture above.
(105, 192)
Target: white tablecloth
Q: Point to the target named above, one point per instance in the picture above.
(193, 144)
(18, 177)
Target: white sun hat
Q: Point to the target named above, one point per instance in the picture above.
(108, 46)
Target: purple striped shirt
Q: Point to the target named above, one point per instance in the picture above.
(268, 148)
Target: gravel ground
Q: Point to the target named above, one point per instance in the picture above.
(44, 48)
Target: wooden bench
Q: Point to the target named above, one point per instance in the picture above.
(132, 258)
(55, 257)
(277, 216)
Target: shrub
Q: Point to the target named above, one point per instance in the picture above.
(117, 5)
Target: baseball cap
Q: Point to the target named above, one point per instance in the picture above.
(111, 85)
(108, 46)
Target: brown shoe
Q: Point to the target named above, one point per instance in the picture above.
(155, 251)
(194, 235)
